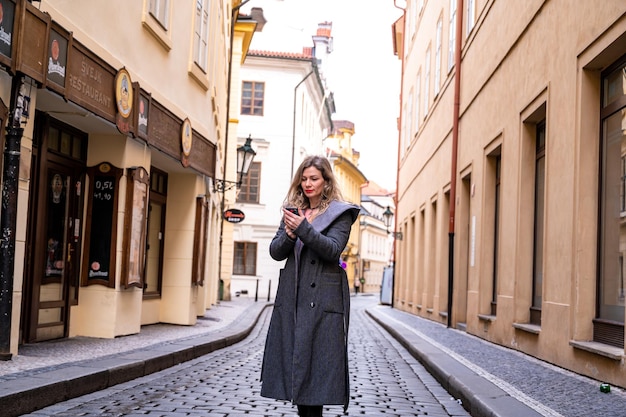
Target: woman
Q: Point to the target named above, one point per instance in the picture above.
(305, 358)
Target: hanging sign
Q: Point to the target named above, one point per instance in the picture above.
(234, 216)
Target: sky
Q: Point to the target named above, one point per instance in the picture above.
(362, 71)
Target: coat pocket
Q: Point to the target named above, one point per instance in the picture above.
(331, 292)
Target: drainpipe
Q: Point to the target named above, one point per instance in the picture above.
(395, 199)
(9, 214)
(453, 161)
(293, 134)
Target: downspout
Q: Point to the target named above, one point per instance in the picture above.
(395, 199)
(293, 134)
(453, 161)
(8, 222)
(233, 14)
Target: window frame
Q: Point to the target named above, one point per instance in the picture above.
(201, 34)
(245, 247)
(452, 35)
(606, 329)
(244, 194)
(438, 55)
(252, 97)
(538, 223)
(160, 11)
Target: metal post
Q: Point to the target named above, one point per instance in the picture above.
(7, 240)
(256, 294)
(8, 219)
(269, 290)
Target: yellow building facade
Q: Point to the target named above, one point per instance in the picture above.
(511, 169)
(344, 160)
(117, 223)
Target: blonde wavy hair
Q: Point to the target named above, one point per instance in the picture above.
(295, 195)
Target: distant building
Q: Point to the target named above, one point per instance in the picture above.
(345, 160)
(287, 109)
(512, 154)
(376, 241)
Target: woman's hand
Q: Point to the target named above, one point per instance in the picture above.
(292, 221)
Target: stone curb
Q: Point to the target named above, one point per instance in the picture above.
(28, 394)
(480, 397)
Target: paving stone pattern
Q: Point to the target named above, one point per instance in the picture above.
(556, 391)
(385, 381)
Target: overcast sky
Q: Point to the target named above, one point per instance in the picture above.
(362, 71)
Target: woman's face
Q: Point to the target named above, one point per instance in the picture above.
(312, 183)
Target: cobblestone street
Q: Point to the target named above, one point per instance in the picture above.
(385, 380)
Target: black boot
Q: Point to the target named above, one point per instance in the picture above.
(310, 410)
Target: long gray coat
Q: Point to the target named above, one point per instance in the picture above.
(306, 356)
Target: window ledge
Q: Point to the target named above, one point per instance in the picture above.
(608, 351)
(429, 310)
(486, 317)
(527, 327)
(443, 314)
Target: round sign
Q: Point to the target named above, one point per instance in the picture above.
(234, 216)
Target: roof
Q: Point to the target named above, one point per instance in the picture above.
(306, 54)
(373, 189)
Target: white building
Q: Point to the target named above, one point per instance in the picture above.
(286, 109)
(376, 240)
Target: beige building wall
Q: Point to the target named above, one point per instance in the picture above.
(161, 60)
(522, 62)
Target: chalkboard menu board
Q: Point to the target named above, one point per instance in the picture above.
(101, 230)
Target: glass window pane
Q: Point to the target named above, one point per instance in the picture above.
(53, 138)
(613, 225)
(66, 143)
(76, 148)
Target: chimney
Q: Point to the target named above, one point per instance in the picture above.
(323, 41)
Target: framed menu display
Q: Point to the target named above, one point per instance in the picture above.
(101, 225)
(135, 228)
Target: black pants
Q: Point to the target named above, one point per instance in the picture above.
(310, 410)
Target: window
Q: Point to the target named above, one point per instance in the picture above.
(409, 112)
(405, 131)
(427, 82)
(250, 186)
(540, 180)
(201, 34)
(496, 233)
(452, 34)
(438, 56)
(245, 258)
(418, 89)
(471, 15)
(159, 9)
(609, 324)
(252, 97)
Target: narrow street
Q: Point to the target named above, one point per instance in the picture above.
(385, 380)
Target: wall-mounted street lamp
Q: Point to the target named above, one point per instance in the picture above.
(245, 155)
(387, 218)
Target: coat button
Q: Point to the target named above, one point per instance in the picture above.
(312, 285)
(312, 305)
(313, 262)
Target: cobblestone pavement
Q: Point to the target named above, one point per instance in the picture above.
(385, 381)
(545, 389)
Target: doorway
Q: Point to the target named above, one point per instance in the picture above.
(54, 230)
